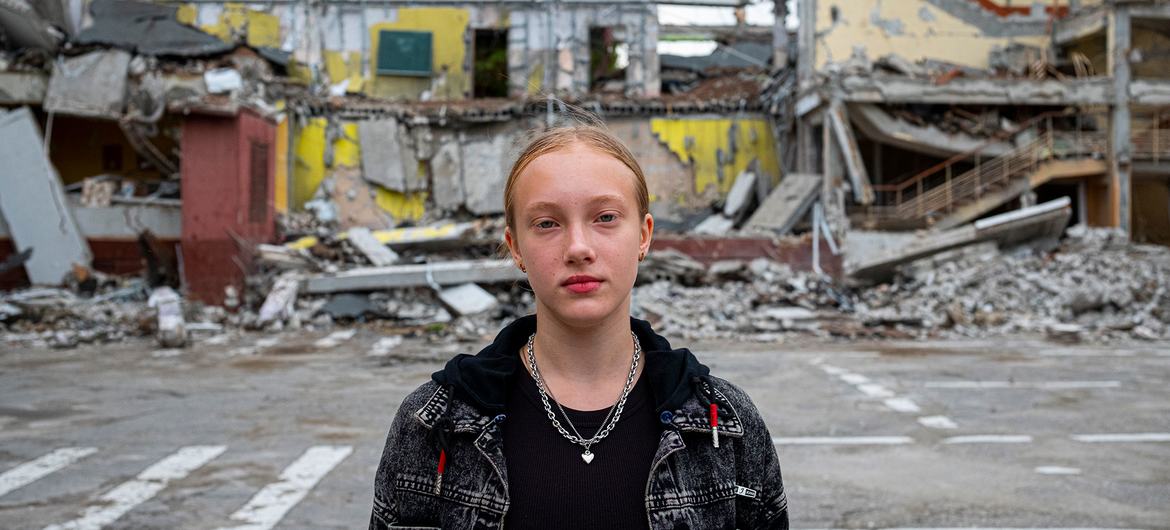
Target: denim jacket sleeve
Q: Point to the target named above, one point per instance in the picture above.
(407, 436)
(765, 506)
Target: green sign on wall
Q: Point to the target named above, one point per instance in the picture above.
(404, 53)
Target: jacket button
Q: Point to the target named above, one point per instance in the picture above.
(499, 418)
(666, 417)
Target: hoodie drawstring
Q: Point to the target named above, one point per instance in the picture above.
(442, 468)
(442, 433)
(705, 386)
(715, 425)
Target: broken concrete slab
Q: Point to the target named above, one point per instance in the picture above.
(447, 174)
(672, 266)
(879, 126)
(433, 237)
(443, 273)
(170, 332)
(92, 85)
(847, 142)
(715, 225)
(1042, 224)
(787, 204)
(223, 80)
(370, 247)
(33, 203)
(467, 299)
(281, 302)
(1007, 91)
(388, 160)
(23, 88)
(282, 257)
(739, 198)
(485, 171)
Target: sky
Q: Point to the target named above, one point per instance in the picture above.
(758, 14)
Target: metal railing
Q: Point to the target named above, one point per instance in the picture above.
(1151, 145)
(942, 188)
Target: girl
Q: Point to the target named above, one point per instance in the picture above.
(589, 420)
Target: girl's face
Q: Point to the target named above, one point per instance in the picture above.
(578, 232)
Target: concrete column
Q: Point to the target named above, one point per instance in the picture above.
(806, 35)
(779, 35)
(1120, 167)
(833, 182)
(805, 55)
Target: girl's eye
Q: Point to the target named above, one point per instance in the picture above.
(545, 225)
(607, 217)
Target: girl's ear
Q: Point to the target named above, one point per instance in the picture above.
(647, 234)
(513, 247)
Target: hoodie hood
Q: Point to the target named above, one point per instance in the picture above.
(483, 379)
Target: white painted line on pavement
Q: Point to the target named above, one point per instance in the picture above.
(1123, 437)
(989, 439)
(271, 504)
(901, 404)
(1058, 470)
(115, 503)
(875, 390)
(33, 470)
(1040, 385)
(833, 370)
(854, 379)
(938, 422)
(842, 440)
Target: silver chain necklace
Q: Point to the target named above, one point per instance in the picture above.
(611, 417)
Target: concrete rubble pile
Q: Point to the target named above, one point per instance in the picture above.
(759, 300)
(428, 276)
(1095, 286)
(71, 317)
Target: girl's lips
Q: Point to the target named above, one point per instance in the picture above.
(583, 287)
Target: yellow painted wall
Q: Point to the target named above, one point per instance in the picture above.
(926, 31)
(345, 65)
(280, 189)
(753, 141)
(448, 26)
(257, 28)
(309, 169)
(308, 161)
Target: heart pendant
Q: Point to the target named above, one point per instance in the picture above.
(587, 457)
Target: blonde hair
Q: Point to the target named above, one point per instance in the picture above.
(587, 130)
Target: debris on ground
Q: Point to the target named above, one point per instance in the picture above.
(1095, 286)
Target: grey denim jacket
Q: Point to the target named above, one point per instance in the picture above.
(443, 464)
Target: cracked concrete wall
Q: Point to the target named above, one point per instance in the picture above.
(548, 45)
(548, 48)
(961, 32)
(689, 162)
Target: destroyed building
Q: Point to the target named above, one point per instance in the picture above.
(934, 113)
(274, 158)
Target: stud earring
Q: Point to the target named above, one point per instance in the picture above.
(522, 269)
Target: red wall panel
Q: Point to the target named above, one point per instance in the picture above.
(221, 218)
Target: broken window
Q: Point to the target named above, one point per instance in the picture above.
(491, 63)
(608, 58)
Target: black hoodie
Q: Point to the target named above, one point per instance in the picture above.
(483, 379)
